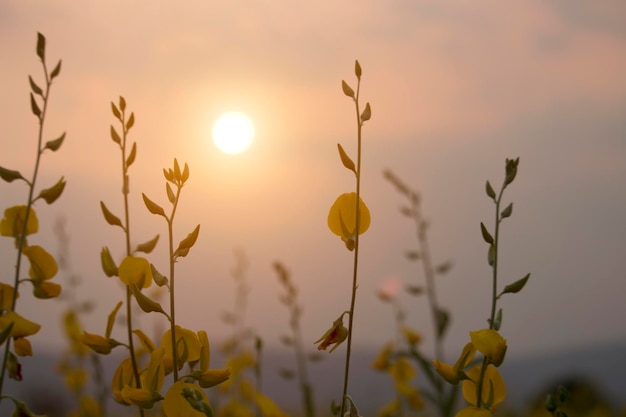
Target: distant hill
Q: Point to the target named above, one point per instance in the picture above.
(527, 379)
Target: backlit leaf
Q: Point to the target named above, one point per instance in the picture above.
(486, 235)
(347, 90)
(50, 195)
(516, 286)
(33, 106)
(111, 319)
(131, 121)
(367, 113)
(56, 71)
(133, 154)
(9, 175)
(33, 86)
(153, 207)
(55, 144)
(111, 218)
(507, 211)
(187, 243)
(490, 192)
(148, 246)
(345, 159)
(115, 111)
(41, 46)
(116, 138)
(170, 194)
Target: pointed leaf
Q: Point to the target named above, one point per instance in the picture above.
(108, 264)
(345, 159)
(133, 154)
(33, 86)
(122, 103)
(131, 121)
(187, 243)
(111, 218)
(9, 175)
(490, 192)
(146, 303)
(444, 267)
(491, 255)
(177, 173)
(168, 174)
(111, 319)
(148, 246)
(33, 106)
(367, 113)
(486, 235)
(357, 69)
(153, 207)
(55, 144)
(116, 138)
(50, 195)
(159, 278)
(516, 286)
(185, 174)
(41, 46)
(56, 71)
(170, 194)
(115, 111)
(347, 90)
(507, 211)
(412, 255)
(443, 318)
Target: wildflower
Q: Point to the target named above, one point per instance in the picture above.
(454, 374)
(175, 404)
(151, 383)
(493, 389)
(124, 376)
(135, 270)
(22, 347)
(491, 344)
(382, 361)
(7, 293)
(342, 218)
(21, 329)
(208, 377)
(43, 266)
(412, 337)
(99, 344)
(187, 346)
(12, 223)
(333, 336)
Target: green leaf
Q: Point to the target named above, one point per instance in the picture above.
(133, 154)
(170, 194)
(33, 106)
(111, 218)
(357, 69)
(9, 175)
(33, 86)
(153, 207)
(56, 71)
(187, 243)
(516, 286)
(185, 175)
(486, 235)
(148, 246)
(507, 211)
(108, 264)
(491, 255)
(168, 174)
(159, 278)
(177, 173)
(116, 138)
(111, 320)
(50, 195)
(122, 103)
(346, 89)
(345, 159)
(55, 144)
(131, 121)
(367, 113)
(115, 111)
(490, 192)
(41, 46)
(146, 303)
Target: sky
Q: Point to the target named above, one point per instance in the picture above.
(454, 87)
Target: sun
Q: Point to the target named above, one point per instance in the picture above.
(233, 132)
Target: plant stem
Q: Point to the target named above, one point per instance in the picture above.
(170, 231)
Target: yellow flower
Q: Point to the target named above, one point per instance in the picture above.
(44, 290)
(13, 221)
(22, 347)
(187, 345)
(175, 405)
(342, 218)
(471, 411)
(211, 377)
(140, 396)
(7, 293)
(491, 344)
(333, 336)
(124, 376)
(411, 336)
(135, 270)
(43, 266)
(493, 388)
(21, 326)
(454, 374)
(99, 344)
(382, 360)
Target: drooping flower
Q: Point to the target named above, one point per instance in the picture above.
(99, 344)
(13, 221)
(342, 218)
(187, 346)
(43, 266)
(7, 293)
(454, 374)
(205, 376)
(493, 389)
(175, 405)
(135, 270)
(333, 336)
(491, 344)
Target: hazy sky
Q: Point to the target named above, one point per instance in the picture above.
(455, 88)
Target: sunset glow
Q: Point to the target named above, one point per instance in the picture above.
(233, 132)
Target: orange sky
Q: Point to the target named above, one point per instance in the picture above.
(455, 88)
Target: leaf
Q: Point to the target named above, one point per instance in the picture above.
(414, 289)
(55, 144)
(187, 243)
(111, 320)
(491, 255)
(345, 159)
(444, 267)
(146, 303)
(159, 278)
(153, 207)
(177, 173)
(116, 138)
(122, 103)
(170, 194)
(407, 211)
(33, 106)
(50, 195)
(108, 264)
(56, 71)
(168, 174)
(286, 340)
(490, 192)
(516, 286)
(9, 175)
(133, 154)
(115, 111)
(412, 255)
(346, 89)
(4, 334)
(357, 69)
(111, 218)
(185, 175)
(367, 113)
(507, 211)
(36, 89)
(486, 235)
(131, 121)
(41, 46)
(148, 246)
(443, 318)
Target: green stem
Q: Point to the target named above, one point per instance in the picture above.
(356, 250)
(170, 231)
